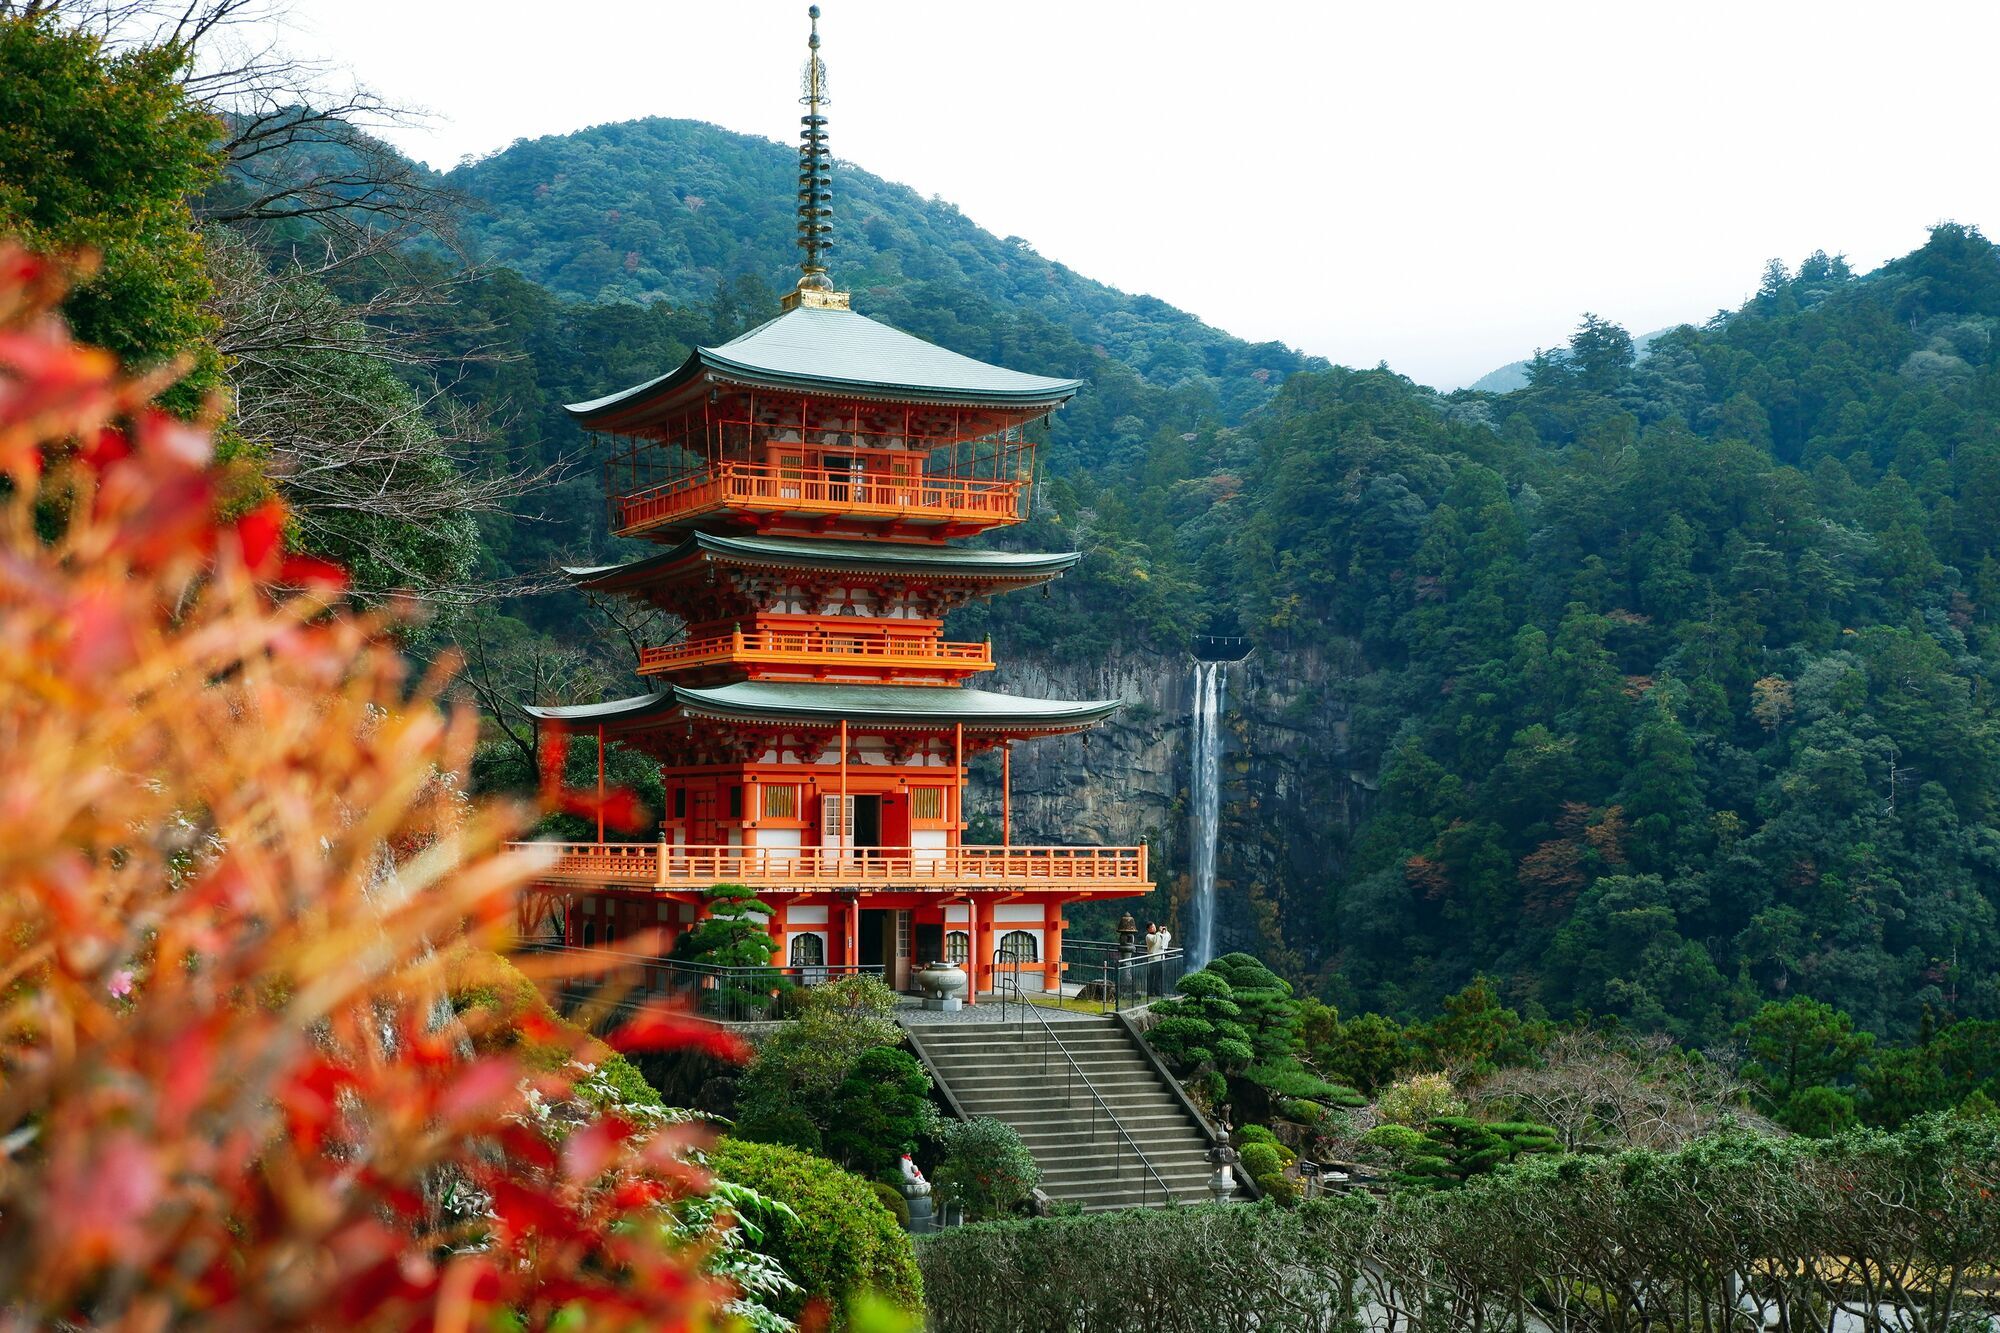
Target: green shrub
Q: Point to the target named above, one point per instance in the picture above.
(986, 1167)
(1255, 1134)
(843, 1241)
(1261, 1159)
(793, 1129)
(1270, 1015)
(1418, 1100)
(1506, 1241)
(732, 934)
(1279, 1188)
(1817, 1112)
(1295, 1080)
(802, 1065)
(881, 1110)
(1453, 1149)
(1200, 1026)
(1301, 1111)
(892, 1199)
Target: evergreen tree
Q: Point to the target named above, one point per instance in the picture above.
(102, 153)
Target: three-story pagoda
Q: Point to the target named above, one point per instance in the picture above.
(807, 484)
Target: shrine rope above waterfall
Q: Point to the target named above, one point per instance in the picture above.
(1211, 680)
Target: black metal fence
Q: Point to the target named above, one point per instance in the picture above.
(626, 981)
(1120, 976)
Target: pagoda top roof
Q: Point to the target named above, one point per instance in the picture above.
(832, 351)
(872, 557)
(881, 705)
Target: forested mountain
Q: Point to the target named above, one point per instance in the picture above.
(1677, 675)
(662, 209)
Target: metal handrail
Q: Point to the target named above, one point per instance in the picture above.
(1076, 1072)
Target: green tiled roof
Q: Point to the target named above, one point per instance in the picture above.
(842, 352)
(872, 556)
(880, 704)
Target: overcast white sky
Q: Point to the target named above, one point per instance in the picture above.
(1441, 186)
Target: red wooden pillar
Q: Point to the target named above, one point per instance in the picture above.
(1052, 932)
(600, 784)
(976, 963)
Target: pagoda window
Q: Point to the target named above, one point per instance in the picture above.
(736, 802)
(957, 947)
(927, 803)
(808, 951)
(1018, 946)
(781, 801)
(680, 802)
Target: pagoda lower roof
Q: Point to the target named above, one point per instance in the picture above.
(871, 705)
(836, 353)
(864, 556)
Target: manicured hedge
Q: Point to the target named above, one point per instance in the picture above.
(1791, 1227)
(844, 1241)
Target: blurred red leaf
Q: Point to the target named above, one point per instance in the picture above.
(659, 1027)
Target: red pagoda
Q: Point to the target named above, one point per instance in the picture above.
(805, 484)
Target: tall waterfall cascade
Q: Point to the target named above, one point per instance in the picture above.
(1211, 686)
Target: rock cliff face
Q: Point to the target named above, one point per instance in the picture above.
(1289, 801)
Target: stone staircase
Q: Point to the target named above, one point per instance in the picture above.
(1004, 1070)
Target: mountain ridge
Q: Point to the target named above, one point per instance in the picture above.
(669, 209)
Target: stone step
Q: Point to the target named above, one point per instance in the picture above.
(1109, 1200)
(1073, 1035)
(1118, 1099)
(1123, 1050)
(1026, 1115)
(1028, 1120)
(1030, 1081)
(1067, 1171)
(1155, 1139)
(998, 1036)
(1099, 1077)
(1053, 1085)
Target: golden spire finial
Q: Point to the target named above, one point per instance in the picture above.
(815, 236)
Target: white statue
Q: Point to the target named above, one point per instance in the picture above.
(914, 1184)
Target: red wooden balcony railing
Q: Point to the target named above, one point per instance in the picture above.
(819, 648)
(668, 866)
(769, 488)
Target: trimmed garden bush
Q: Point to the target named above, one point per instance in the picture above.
(986, 1167)
(844, 1240)
(1261, 1159)
(1682, 1238)
(792, 1129)
(881, 1110)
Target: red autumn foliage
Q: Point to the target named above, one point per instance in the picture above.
(234, 874)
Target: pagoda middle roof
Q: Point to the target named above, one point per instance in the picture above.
(884, 705)
(835, 352)
(865, 556)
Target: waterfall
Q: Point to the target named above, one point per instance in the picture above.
(1211, 680)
